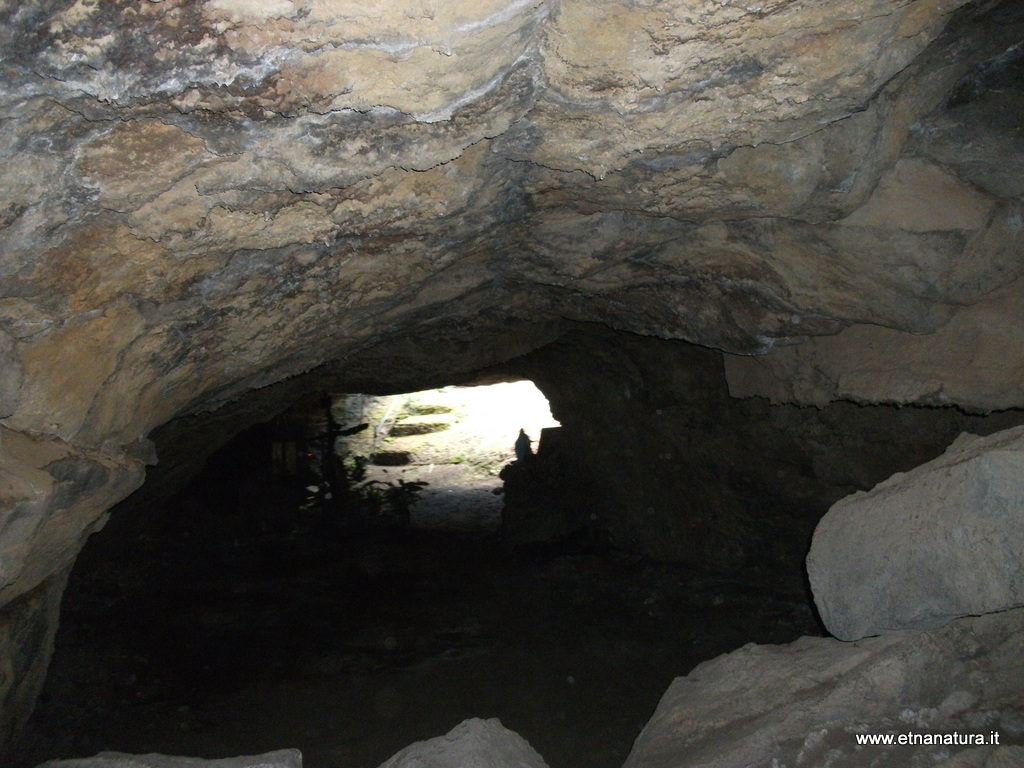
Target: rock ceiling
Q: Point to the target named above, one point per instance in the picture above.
(204, 197)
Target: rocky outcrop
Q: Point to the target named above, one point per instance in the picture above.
(972, 361)
(28, 626)
(54, 493)
(922, 548)
(52, 496)
(284, 758)
(808, 703)
(471, 744)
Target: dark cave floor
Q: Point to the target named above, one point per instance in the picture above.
(351, 645)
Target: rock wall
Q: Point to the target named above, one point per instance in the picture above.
(924, 547)
(53, 495)
(872, 364)
(28, 625)
(974, 358)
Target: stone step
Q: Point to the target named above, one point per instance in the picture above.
(419, 425)
(391, 458)
(426, 409)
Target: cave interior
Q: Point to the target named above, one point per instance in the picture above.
(756, 259)
(667, 524)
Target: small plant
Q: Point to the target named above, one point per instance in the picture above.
(404, 496)
(394, 498)
(357, 469)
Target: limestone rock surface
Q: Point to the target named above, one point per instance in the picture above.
(472, 743)
(284, 758)
(806, 703)
(924, 547)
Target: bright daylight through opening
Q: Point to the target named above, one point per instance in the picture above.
(445, 447)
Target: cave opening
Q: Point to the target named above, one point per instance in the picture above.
(437, 455)
(662, 524)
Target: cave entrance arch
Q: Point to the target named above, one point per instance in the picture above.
(347, 646)
(353, 646)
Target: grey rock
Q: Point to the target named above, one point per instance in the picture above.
(806, 703)
(987, 757)
(11, 376)
(472, 743)
(991, 157)
(282, 758)
(419, 194)
(924, 547)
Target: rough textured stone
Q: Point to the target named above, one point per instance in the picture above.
(973, 361)
(986, 757)
(991, 154)
(284, 758)
(53, 495)
(805, 703)
(338, 177)
(28, 626)
(941, 541)
(471, 744)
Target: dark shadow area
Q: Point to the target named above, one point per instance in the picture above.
(211, 627)
(283, 598)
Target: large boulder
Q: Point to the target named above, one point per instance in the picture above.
(283, 758)
(987, 757)
(926, 546)
(472, 743)
(973, 361)
(949, 692)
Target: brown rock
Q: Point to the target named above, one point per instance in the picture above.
(807, 703)
(936, 543)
